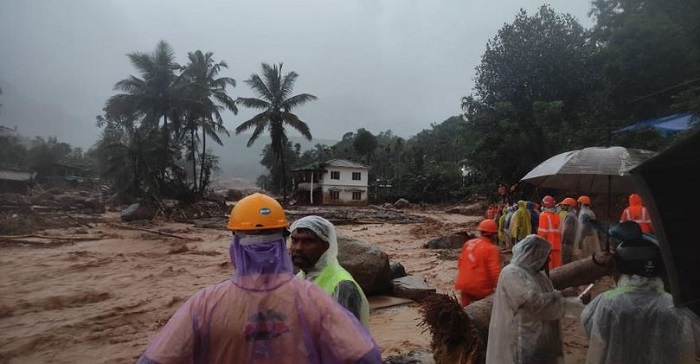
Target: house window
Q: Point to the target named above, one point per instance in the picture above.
(356, 176)
(335, 174)
(335, 195)
(357, 195)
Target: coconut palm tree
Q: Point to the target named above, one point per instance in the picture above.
(209, 93)
(276, 104)
(157, 94)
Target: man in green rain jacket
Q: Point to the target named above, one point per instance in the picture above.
(314, 249)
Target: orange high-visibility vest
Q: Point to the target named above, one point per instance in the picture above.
(549, 228)
(478, 268)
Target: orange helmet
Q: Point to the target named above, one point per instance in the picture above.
(569, 202)
(548, 201)
(584, 200)
(257, 212)
(488, 226)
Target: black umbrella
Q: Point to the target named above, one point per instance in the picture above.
(589, 170)
(670, 186)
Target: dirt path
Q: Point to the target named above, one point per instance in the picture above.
(101, 301)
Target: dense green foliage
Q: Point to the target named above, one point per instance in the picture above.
(141, 156)
(46, 157)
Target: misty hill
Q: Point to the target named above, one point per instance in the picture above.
(238, 161)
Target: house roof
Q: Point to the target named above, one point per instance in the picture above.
(20, 176)
(316, 166)
(344, 163)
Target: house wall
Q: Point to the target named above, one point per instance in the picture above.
(345, 186)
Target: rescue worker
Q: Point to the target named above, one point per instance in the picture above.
(524, 325)
(550, 229)
(638, 213)
(636, 321)
(262, 314)
(479, 265)
(502, 194)
(502, 236)
(569, 229)
(520, 222)
(314, 249)
(586, 237)
(534, 210)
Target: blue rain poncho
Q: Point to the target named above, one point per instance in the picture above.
(262, 314)
(524, 325)
(637, 323)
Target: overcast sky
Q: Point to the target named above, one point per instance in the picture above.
(395, 65)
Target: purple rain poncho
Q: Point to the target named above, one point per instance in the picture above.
(262, 314)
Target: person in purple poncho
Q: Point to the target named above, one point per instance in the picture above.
(262, 314)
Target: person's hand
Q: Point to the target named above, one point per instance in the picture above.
(586, 298)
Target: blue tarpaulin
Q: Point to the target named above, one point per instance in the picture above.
(667, 125)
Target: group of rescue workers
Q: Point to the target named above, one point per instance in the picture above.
(265, 313)
(524, 325)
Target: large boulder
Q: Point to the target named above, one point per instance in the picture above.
(367, 264)
(397, 270)
(452, 241)
(138, 211)
(402, 203)
(475, 209)
(412, 287)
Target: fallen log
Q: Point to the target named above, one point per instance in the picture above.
(451, 345)
(79, 222)
(119, 226)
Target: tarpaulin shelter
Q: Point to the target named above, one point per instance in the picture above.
(667, 125)
(670, 186)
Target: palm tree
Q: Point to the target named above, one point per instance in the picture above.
(209, 93)
(274, 91)
(157, 94)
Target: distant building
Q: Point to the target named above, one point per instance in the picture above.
(15, 180)
(8, 131)
(335, 182)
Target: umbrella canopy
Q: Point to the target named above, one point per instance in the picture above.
(669, 186)
(589, 170)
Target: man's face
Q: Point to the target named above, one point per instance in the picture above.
(306, 248)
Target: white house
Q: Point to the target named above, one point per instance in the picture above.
(335, 182)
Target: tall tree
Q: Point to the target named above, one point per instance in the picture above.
(650, 54)
(209, 92)
(535, 89)
(274, 98)
(157, 94)
(365, 144)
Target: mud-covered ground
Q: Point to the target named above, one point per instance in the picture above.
(99, 301)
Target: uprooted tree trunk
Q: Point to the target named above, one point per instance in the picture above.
(460, 335)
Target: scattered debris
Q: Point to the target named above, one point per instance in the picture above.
(412, 287)
(119, 226)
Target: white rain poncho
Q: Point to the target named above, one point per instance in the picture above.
(587, 236)
(526, 309)
(569, 232)
(348, 293)
(637, 323)
(262, 314)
